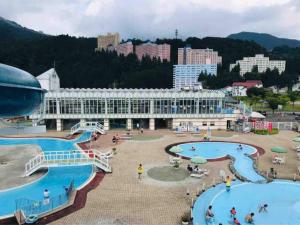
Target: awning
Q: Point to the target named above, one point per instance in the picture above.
(257, 115)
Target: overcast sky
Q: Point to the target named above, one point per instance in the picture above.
(148, 19)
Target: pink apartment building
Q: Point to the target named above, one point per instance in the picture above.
(188, 55)
(122, 49)
(162, 51)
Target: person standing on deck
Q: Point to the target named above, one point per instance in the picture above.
(228, 183)
(140, 171)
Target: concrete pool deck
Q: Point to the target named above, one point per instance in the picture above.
(121, 199)
(12, 165)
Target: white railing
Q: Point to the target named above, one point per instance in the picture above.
(67, 158)
(93, 126)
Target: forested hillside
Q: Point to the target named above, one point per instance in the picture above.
(79, 66)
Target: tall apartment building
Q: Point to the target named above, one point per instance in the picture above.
(187, 75)
(104, 41)
(162, 51)
(247, 63)
(122, 49)
(188, 55)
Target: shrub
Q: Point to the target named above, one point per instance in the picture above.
(266, 132)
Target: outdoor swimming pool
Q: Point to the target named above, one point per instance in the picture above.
(214, 150)
(282, 197)
(55, 180)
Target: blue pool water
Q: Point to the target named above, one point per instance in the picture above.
(282, 197)
(54, 180)
(213, 150)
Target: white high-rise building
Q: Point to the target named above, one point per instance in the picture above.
(187, 75)
(262, 63)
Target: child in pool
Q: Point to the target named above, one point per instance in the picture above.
(249, 218)
(235, 221)
(233, 212)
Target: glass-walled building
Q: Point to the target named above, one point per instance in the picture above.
(153, 107)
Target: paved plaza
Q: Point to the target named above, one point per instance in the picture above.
(121, 199)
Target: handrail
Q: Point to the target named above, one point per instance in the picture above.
(90, 125)
(63, 158)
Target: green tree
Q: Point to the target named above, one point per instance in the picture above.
(293, 96)
(275, 100)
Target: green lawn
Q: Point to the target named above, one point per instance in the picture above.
(142, 137)
(264, 107)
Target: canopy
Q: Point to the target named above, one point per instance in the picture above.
(278, 149)
(198, 160)
(176, 149)
(257, 115)
(296, 139)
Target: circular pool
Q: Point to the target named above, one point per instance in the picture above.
(282, 197)
(214, 150)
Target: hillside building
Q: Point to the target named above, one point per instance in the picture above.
(104, 41)
(262, 63)
(187, 55)
(240, 88)
(186, 76)
(162, 51)
(122, 49)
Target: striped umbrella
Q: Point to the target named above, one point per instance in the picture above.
(198, 160)
(278, 149)
(296, 139)
(176, 149)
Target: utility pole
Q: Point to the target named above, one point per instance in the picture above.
(176, 34)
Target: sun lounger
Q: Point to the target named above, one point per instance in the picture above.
(126, 137)
(297, 148)
(200, 175)
(181, 134)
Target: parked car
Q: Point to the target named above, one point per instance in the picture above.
(297, 118)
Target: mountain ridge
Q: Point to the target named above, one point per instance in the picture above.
(10, 29)
(268, 41)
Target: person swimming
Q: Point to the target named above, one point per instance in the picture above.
(233, 212)
(263, 208)
(193, 148)
(209, 215)
(235, 221)
(249, 218)
(240, 147)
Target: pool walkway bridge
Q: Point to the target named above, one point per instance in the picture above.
(87, 126)
(68, 158)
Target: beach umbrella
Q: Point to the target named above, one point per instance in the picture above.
(198, 160)
(296, 139)
(278, 149)
(176, 149)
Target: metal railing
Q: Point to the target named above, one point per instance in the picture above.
(93, 126)
(67, 158)
(37, 207)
